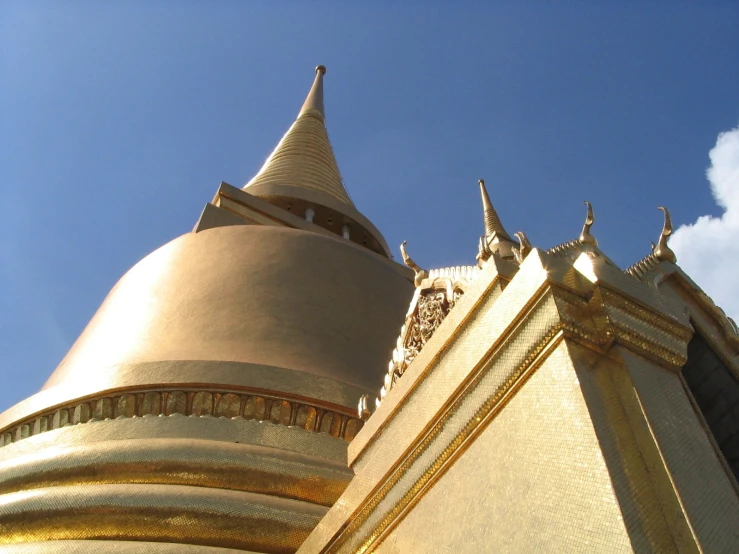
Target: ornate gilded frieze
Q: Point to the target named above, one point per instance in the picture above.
(195, 403)
(435, 296)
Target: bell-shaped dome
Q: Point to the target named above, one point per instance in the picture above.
(263, 295)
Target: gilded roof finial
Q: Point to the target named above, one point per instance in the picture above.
(303, 160)
(663, 252)
(492, 221)
(314, 101)
(523, 250)
(421, 273)
(585, 236)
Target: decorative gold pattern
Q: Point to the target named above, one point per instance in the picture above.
(208, 403)
(435, 296)
(586, 241)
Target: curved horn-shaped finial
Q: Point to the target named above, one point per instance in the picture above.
(585, 236)
(524, 248)
(421, 273)
(663, 252)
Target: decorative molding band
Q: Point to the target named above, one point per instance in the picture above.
(237, 520)
(195, 403)
(646, 331)
(217, 464)
(607, 317)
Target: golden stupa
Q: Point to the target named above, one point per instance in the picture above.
(274, 382)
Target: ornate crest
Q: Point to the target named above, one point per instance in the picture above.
(434, 298)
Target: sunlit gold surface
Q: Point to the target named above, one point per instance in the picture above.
(496, 238)
(533, 402)
(546, 485)
(237, 377)
(236, 430)
(286, 205)
(304, 157)
(480, 409)
(193, 515)
(171, 468)
(281, 410)
(256, 294)
(239, 467)
(302, 174)
(115, 547)
(200, 342)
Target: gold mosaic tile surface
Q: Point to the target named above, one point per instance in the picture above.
(704, 490)
(525, 430)
(533, 480)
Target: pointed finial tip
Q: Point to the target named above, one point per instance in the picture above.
(321, 69)
(662, 251)
(585, 236)
(481, 181)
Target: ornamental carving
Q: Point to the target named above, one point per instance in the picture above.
(435, 296)
(194, 403)
(432, 308)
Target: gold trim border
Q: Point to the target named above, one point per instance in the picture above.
(189, 402)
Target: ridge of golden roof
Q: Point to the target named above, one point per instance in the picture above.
(304, 157)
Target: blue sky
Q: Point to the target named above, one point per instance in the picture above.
(118, 121)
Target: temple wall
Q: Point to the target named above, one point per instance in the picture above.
(716, 391)
(534, 480)
(702, 485)
(550, 417)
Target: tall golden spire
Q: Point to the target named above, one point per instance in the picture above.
(496, 238)
(493, 226)
(302, 176)
(314, 100)
(303, 158)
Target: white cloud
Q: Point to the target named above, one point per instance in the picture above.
(708, 250)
